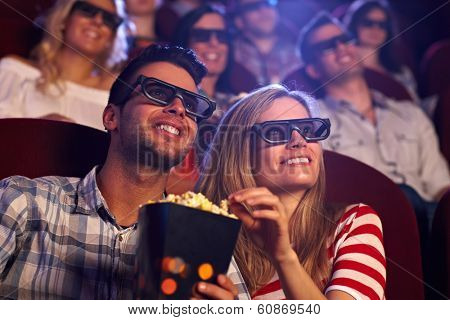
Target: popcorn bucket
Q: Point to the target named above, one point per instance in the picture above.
(179, 246)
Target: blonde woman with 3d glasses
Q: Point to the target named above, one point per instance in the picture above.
(267, 159)
(72, 68)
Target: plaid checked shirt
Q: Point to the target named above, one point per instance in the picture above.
(58, 240)
(272, 67)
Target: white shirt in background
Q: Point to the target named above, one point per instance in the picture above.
(402, 145)
(19, 97)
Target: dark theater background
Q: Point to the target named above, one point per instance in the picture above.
(421, 42)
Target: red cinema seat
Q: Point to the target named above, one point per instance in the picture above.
(36, 147)
(439, 273)
(435, 67)
(350, 181)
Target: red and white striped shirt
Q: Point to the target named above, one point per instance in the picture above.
(357, 257)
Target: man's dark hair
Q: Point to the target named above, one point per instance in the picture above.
(319, 20)
(184, 58)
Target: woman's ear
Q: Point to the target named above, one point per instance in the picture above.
(111, 117)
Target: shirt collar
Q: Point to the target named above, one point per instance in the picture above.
(380, 101)
(89, 197)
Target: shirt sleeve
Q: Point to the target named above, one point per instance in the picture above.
(236, 277)
(10, 90)
(359, 264)
(13, 217)
(434, 171)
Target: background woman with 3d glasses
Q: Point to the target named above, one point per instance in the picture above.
(205, 31)
(372, 23)
(72, 68)
(266, 158)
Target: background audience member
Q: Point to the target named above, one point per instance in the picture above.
(264, 44)
(142, 15)
(370, 127)
(372, 22)
(168, 15)
(205, 31)
(71, 69)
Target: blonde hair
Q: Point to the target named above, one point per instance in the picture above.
(227, 168)
(46, 52)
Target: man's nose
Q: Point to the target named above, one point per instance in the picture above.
(176, 107)
(296, 140)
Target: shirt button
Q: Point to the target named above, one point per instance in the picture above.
(120, 237)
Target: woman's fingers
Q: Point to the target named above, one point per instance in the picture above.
(263, 201)
(239, 195)
(266, 214)
(242, 214)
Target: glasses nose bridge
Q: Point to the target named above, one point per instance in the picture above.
(98, 17)
(295, 139)
(379, 25)
(173, 105)
(340, 44)
(213, 38)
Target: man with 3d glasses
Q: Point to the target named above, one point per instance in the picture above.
(394, 137)
(260, 46)
(70, 238)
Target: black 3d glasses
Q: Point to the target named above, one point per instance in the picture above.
(369, 23)
(253, 6)
(280, 131)
(331, 45)
(204, 35)
(89, 10)
(163, 94)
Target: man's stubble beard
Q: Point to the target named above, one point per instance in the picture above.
(346, 75)
(147, 157)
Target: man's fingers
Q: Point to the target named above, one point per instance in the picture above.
(227, 284)
(213, 291)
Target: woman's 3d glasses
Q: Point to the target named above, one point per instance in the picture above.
(369, 23)
(89, 10)
(205, 35)
(280, 131)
